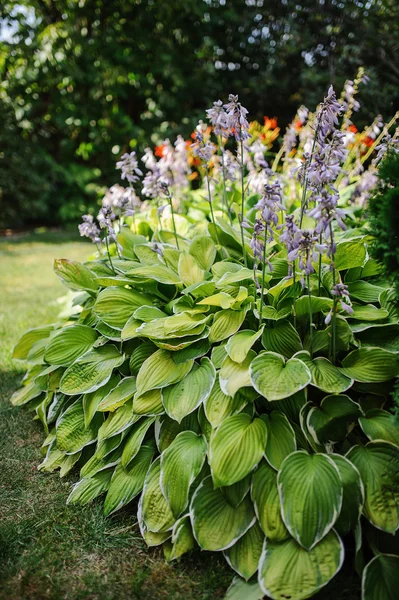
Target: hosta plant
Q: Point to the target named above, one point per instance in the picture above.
(233, 375)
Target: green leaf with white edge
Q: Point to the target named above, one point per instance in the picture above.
(310, 490)
(275, 379)
(190, 272)
(225, 324)
(195, 350)
(184, 397)
(149, 403)
(176, 326)
(244, 556)
(233, 376)
(243, 590)
(379, 424)
(108, 332)
(87, 489)
(350, 254)
(353, 495)
(382, 337)
(218, 355)
(95, 465)
(264, 494)
(368, 312)
(280, 438)
(364, 291)
(274, 314)
(344, 337)
(282, 338)
(378, 465)
(159, 370)
(129, 331)
(236, 493)
(135, 439)
(91, 371)
(75, 275)
(241, 343)
(218, 406)
(30, 337)
(115, 305)
(148, 313)
(178, 344)
(119, 395)
(286, 570)
(242, 274)
(154, 508)
(181, 463)
(92, 400)
(182, 539)
(303, 415)
(319, 304)
(139, 355)
(235, 448)
(216, 524)
(68, 344)
(118, 421)
(127, 482)
(71, 432)
(325, 376)
(25, 394)
(333, 420)
(221, 299)
(380, 580)
(371, 365)
(166, 429)
(157, 272)
(204, 251)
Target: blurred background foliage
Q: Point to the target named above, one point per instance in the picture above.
(84, 80)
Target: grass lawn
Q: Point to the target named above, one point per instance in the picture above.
(51, 551)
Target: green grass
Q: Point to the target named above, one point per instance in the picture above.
(49, 551)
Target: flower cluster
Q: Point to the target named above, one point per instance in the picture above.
(89, 228)
(341, 293)
(129, 167)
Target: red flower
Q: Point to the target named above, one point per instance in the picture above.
(159, 150)
(353, 128)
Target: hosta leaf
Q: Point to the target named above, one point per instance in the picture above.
(236, 493)
(242, 275)
(68, 344)
(86, 490)
(280, 438)
(234, 376)
(350, 254)
(159, 370)
(92, 400)
(216, 524)
(378, 465)
(72, 434)
(154, 508)
(91, 371)
(118, 421)
(127, 482)
(368, 312)
(364, 291)
(274, 314)
(25, 394)
(218, 406)
(275, 379)
(119, 395)
(226, 323)
(130, 328)
(353, 495)
(221, 299)
(139, 355)
(189, 271)
(371, 365)
(179, 344)
(282, 338)
(29, 338)
(241, 343)
(242, 590)
(325, 375)
(166, 429)
(148, 313)
(75, 275)
(319, 304)
(182, 539)
(310, 490)
(286, 570)
(157, 272)
(181, 463)
(194, 350)
(382, 337)
(135, 439)
(95, 465)
(115, 305)
(380, 425)
(204, 251)
(264, 494)
(244, 556)
(344, 337)
(149, 403)
(380, 579)
(235, 448)
(331, 422)
(184, 397)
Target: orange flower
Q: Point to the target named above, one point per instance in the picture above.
(368, 141)
(298, 124)
(159, 150)
(270, 123)
(353, 128)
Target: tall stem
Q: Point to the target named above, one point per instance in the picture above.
(310, 317)
(173, 219)
(294, 286)
(334, 308)
(210, 204)
(242, 204)
(109, 256)
(225, 201)
(319, 286)
(305, 180)
(263, 278)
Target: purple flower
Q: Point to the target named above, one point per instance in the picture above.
(237, 119)
(307, 251)
(326, 212)
(327, 114)
(270, 204)
(291, 234)
(204, 150)
(219, 119)
(129, 167)
(88, 228)
(340, 291)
